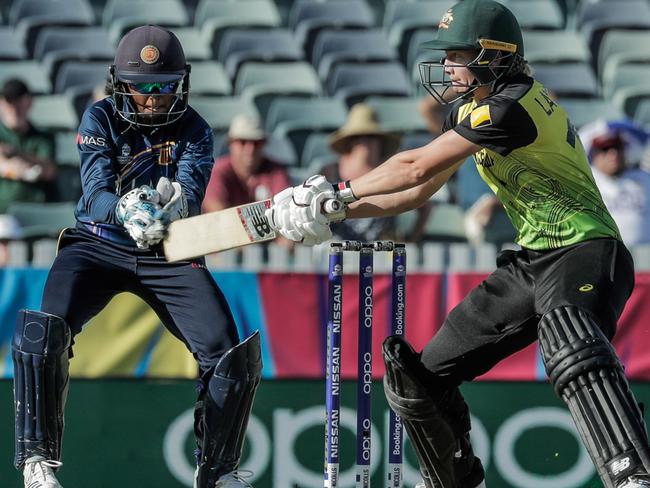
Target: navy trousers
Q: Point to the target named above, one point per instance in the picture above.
(89, 271)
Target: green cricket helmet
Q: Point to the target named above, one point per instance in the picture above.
(482, 26)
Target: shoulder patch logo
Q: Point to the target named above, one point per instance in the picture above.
(480, 117)
(149, 54)
(446, 20)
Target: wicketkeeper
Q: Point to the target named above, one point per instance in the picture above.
(567, 285)
(146, 157)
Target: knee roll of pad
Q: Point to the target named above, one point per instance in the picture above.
(225, 408)
(586, 374)
(40, 356)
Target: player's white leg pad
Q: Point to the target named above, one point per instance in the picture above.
(38, 473)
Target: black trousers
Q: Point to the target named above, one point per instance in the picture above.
(89, 271)
(500, 316)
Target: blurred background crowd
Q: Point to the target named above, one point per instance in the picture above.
(293, 88)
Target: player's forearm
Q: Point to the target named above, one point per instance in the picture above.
(409, 169)
(398, 173)
(394, 203)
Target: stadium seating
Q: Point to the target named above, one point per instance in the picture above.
(65, 148)
(195, 46)
(308, 17)
(31, 72)
(219, 111)
(121, 16)
(42, 219)
(295, 119)
(445, 224)
(624, 75)
(555, 47)
(261, 82)
(299, 64)
(317, 113)
(336, 46)
(352, 82)
(642, 114)
(241, 45)
(57, 44)
(403, 17)
(209, 78)
(29, 16)
(593, 19)
(12, 47)
(584, 110)
(398, 114)
(537, 14)
(620, 46)
(54, 113)
(568, 80)
(628, 98)
(215, 16)
(317, 152)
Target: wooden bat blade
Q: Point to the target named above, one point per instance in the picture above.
(218, 231)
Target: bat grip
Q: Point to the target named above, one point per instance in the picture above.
(332, 206)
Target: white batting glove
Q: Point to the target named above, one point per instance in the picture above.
(310, 202)
(173, 201)
(279, 216)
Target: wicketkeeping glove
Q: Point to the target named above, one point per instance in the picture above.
(173, 201)
(136, 211)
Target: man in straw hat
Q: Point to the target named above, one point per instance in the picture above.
(362, 145)
(245, 174)
(567, 285)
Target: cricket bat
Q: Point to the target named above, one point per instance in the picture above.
(218, 231)
(222, 230)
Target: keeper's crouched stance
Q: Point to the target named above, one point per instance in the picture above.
(146, 158)
(567, 286)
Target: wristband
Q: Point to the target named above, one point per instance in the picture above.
(344, 190)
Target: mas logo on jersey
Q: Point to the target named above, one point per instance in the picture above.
(480, 117)
(91, 140)
(446, 20)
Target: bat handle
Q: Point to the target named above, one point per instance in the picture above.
(332, 206)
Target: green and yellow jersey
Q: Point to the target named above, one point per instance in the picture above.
(534, 162)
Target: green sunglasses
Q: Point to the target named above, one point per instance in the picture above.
(149, 88)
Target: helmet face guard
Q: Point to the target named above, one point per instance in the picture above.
(488, 66)
(129, 111)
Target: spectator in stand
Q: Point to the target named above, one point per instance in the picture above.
(27, 170)
(9, 230)
(244, 174)
(362, 144)
(624, 187)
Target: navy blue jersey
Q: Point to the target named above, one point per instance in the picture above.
(117, 157)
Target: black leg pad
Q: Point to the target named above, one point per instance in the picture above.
(588, 376)
(224, 408)
(40, 350)
(431, 435)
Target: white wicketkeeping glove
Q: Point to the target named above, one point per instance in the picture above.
(136, 211)
(173, 201)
